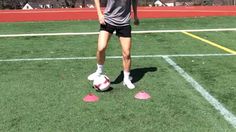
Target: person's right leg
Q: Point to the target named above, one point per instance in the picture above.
(103, 39)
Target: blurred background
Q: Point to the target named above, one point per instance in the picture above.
(42, 4)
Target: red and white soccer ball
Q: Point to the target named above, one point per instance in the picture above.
(101, 83)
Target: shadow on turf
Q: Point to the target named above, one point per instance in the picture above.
(110, 88)
(136, 74)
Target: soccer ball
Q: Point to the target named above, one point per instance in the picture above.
(101, 83)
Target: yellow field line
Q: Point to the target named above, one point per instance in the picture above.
(211, 43)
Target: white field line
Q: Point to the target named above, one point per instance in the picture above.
(48, 34)
(213, 101)
(134, 32)
(111, 57)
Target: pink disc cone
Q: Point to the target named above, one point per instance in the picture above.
(90, 98)
(142, 95)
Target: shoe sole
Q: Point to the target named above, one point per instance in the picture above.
(127, 86)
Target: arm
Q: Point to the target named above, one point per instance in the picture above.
(99, 12)
(134, 4)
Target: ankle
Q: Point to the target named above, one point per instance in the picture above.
(126, 75)
(99, 69)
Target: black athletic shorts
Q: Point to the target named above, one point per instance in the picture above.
(121, 31)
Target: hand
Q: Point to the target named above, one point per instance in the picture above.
(136, 21)
(101, 19)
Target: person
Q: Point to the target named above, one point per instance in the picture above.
(116, 17)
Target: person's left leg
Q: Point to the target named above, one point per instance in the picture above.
(126, 49)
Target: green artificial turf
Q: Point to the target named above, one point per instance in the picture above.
(47, 95)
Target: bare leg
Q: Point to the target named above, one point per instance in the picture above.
(126, 48)
(103, 39)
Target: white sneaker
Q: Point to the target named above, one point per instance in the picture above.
(129, 84)
(92, 76)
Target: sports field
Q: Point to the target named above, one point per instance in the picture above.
(187, 65)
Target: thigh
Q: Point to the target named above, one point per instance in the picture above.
(125, 44)
(103, 39)
(104, 35)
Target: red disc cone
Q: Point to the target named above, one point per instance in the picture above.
(142, 95)
(90, 98)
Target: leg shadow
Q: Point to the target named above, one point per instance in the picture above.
(136, 74)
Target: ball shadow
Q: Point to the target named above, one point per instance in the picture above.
(109, 89)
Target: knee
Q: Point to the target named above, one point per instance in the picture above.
(101, 50)
(126, 56)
